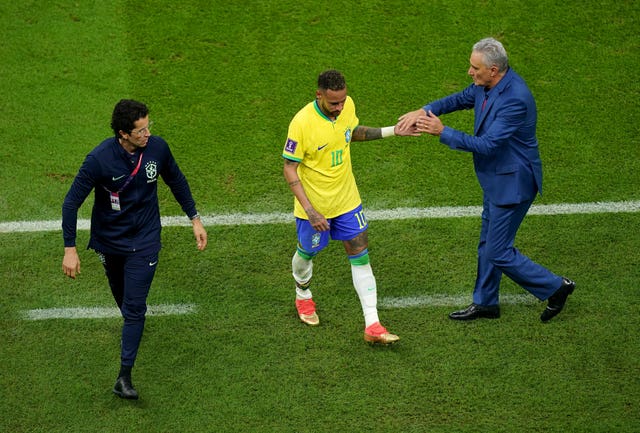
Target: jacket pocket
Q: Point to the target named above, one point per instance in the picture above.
(506, 185)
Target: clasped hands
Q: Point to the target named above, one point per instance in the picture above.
(416, 122)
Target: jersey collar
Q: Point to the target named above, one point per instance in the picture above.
(319, 111)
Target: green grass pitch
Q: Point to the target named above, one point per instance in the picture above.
(223, 80)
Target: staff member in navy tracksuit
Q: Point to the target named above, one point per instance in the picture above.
(125, 221)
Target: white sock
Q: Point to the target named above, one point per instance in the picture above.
(303, 293)
(365, 284)
(302, 273)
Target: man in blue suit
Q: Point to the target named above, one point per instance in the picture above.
(508, 166)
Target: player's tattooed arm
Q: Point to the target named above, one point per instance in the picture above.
(366, 133)
(317, 220)
(290, 168)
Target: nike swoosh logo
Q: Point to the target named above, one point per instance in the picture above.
(322, 147)
(153, 263)
(117, 178)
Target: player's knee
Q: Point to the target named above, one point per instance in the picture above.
(357, 245)
(306, 255)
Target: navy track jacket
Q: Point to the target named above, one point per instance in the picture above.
(136, 226)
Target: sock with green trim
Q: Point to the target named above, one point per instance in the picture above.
(302, 267)
(365, 285)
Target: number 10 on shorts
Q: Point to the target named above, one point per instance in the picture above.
(362, 221)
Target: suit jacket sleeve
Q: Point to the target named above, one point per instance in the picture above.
(463, 100)
(504, 121)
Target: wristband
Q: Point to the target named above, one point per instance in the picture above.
(195, 217)
(387, 131)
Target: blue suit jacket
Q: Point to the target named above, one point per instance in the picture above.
(504, 145)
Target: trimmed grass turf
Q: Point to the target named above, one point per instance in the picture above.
(243, 362)
(223, 80)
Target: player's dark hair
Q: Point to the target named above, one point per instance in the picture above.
(125, 114)
(331, 80)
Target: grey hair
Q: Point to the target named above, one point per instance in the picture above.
(493, 53)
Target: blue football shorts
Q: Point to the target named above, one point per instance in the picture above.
(341, 228)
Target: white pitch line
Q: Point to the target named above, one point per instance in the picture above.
(281, 217)
(103, 312)
(180, 309)
(233, 219)
(447, 301)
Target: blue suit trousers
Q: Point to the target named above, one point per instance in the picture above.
(497, 255)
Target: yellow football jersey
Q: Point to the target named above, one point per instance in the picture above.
(322, 147)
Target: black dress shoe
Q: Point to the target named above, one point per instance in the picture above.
(475, 311)
(124, 389)
(558, 299)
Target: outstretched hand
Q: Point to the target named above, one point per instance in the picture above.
(406, 129)
(408, 120)
(429, 123)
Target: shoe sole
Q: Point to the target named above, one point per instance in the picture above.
(555, 312)
(309, 320)
(121, 395)
(493, 316)
(374, 340)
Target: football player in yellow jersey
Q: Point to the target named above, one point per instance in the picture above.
(317, 166)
